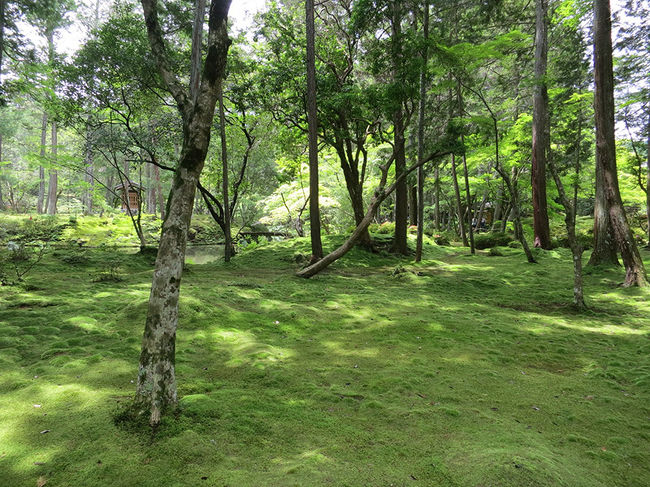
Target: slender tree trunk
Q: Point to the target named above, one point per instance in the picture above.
(421, 121)
(2, 203)
(159, 192)
(41, 170)
(437, 196)
(156, 384)
(468, 195)
(228, 251)
(647, 184)
(53, 185)
(606, 144)
(401, 192)
(413, 204)
(312, 120)
(459, 206)
(541, 138)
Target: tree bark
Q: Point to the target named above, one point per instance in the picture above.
(228, 250)
(606, 144)
(421, 121)
(436, 215)
(156, 385)
(647, 184)
(2, 203)
(541, 129)
(312, 121)
(401, 192)
(53, 185)
(459, 206)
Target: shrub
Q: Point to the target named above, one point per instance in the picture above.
(484, 241)
(441, 239)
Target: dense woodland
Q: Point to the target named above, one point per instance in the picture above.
(382, 128)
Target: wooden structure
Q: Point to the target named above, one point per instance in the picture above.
(130, 194)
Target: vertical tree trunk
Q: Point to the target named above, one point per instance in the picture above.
(606, 145)
(53, 185)
(469, 198)
(437, 196)
(459, 206)
(541, 137)
(41, 170)
(401, 193)
(197, 41)
(312, 120)
(421, 120)
(228, 250)
(159, 192)
(2, 203)
(156, 385)
(647, 184)
(413, 204)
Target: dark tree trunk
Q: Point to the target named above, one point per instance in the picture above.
(437, 196)
(354, 186)
(606, 144)
(227, 218)
(401, 192)
(312, 120)
(156, 385)
(53, 185)
(647, 184)
(541, 136)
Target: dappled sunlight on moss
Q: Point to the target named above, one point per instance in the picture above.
(245, 349)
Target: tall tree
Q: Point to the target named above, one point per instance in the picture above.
(312, 121)
(401, 190)
(606, 144)
(541, 128)
(421, 123)
(156, 385)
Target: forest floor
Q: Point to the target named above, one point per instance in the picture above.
(459, 371)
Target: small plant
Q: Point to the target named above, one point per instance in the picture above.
(21, 257)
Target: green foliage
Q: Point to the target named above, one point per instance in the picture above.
(492, 239)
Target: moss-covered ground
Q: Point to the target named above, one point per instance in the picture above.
(459, 371)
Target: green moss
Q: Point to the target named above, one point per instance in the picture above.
(464, 371)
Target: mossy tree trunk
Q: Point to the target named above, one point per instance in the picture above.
(156, 384)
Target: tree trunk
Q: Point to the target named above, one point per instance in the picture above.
(606, 145)
(459, 206)
(228, 250)
(541, 137)
(41, 170)
(421, 121)
(469, 198)
(312, 120)
(53, 185)
(159, 192)
(437, 196)
(647, 184)
(156, 385)
(2, 203)
(413, 204)
(401, 192)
